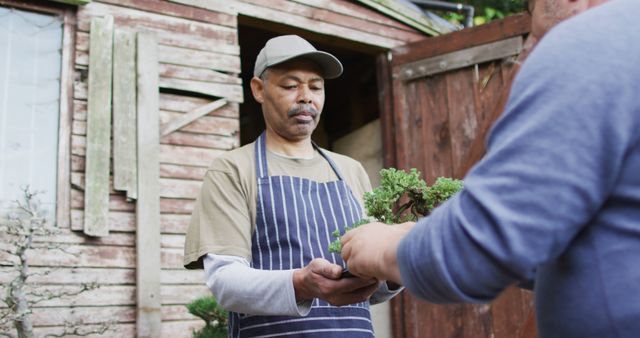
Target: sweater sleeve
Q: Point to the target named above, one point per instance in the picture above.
(552, 159)
(239, 288)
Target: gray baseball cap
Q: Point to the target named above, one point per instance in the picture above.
(287, 47)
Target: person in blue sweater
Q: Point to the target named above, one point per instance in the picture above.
(556, 199)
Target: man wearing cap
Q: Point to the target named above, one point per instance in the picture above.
(262, 223)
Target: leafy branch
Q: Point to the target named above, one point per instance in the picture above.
(215, 318)
(402, 197)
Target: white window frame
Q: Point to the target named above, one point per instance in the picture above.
(63, 180)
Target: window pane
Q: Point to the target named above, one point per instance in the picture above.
(30, 62)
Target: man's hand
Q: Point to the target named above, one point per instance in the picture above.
(321, 279)
(370, 250)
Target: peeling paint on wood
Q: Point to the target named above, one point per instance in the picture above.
(99, 128)
(148, 207)
(124, 114)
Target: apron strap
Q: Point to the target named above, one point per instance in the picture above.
(262, 170)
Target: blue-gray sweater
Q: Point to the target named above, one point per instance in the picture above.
(557, 197)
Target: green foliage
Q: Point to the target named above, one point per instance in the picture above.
(402, 197)
(486, 10)
(336, 246)
(215, 318)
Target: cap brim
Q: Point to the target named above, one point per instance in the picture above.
(331, 66)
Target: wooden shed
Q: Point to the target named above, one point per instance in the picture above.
(150, 91)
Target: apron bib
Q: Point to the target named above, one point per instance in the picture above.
(294, 221)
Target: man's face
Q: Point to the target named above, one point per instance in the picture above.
(292, 97)
(547, 13)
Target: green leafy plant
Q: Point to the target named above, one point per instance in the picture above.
(402, 197)
(485, 10)
(215, 318)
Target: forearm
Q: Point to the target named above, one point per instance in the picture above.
(239, 288)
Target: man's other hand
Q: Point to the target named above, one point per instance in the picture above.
(322, 279)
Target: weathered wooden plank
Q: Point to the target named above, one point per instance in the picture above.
(78, 181)
(79, 110)
(182, 103)
(63, 189)
(188, 155)
(78, 145)
(385, 102)
(173, 329)
(182, 276)
(169, 154)
(102, 296)
(177, 206)
(191, 116)
(435, 132)
(55, 316)
(183, 294)
(204, 60)
(124, 114)
(357, 11)
(219, 90)
(66, 236)
(463, 119)
(79, 128)
(148, 208)
(173, 241)
(166, 170)
(221, 133)
(461, 58)
(125, 222)
(73, 2)
(67, 276)
(116, 202)
(92, 256)
(514, 25)
(99, 128)
(400, 12)
(112, 295)
(140, 19)
(197, 74)
(323, 14)
(77, 163)
(493, 102)
(201, 140)
(179, 11)
(170, 38)
(211, 125)
(82, 256)
(173, 188)
(324, 28)
(200, 59)
(172, 258)
(508, 311)
(182, 172)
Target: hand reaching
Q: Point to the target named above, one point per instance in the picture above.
(370, 250)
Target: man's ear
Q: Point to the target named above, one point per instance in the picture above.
(257, 87)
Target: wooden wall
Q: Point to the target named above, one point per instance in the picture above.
(199, 54)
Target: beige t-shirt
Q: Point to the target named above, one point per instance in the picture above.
(224, 217)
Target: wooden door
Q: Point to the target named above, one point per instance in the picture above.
(439, 98)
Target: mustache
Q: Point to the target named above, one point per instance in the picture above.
(303, 108)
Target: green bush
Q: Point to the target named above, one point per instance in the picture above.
(402, 197)
(215, 318)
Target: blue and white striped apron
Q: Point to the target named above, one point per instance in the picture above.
(294, 221)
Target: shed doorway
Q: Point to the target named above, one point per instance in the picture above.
(351, 100)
